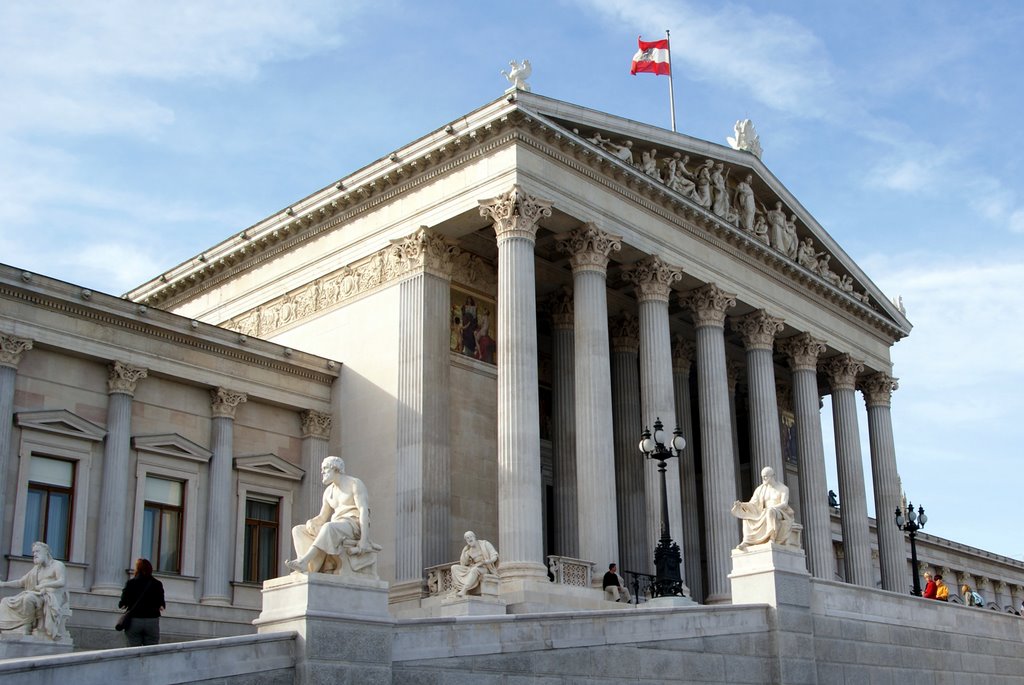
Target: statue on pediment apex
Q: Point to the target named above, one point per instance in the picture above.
(517, 74)
(746, 138)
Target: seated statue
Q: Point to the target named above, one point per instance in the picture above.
(337, 540)
(42, 609)
(767, 517)
(478, 557)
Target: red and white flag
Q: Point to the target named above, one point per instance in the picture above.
(653, 57)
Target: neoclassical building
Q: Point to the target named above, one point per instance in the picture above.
(482, 324)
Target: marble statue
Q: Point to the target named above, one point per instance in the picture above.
(623, 152)
(649, 164)
(767, 517)
(703, 194)
(746, 138)
(745, 203)
(826, 272)
(680, 179)
(337, 540)
(760, 229)
(806, 255)
(791, 241)
(518, 73)
(777, 226)
(42, 608)
(721, 205)
(478, 557)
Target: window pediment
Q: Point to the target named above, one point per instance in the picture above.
(269, 465)
(61, 421)
(171, 445)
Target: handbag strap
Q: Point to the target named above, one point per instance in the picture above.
(141, 595)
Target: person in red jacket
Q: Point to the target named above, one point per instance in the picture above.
(929, 587)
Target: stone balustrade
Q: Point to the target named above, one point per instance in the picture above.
(570, 571)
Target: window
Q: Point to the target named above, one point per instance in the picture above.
(161, 523)
(48, 505)
(261, 541)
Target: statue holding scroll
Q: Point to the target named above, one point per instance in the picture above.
(767, 517)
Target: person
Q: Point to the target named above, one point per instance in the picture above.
(767, 517)
(143, 597)
(941, 589)
(478, 557)
(343, 525)
(929, 586)
(614, 588)
(42, 609)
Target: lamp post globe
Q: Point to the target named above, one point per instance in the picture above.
(910, 522)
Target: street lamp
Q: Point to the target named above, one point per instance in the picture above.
(667, 559)
(910, 523)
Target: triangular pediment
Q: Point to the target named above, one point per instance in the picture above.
(171, 445)
(60, 421)
(269, 465)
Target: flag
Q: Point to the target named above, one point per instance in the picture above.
(653, 57)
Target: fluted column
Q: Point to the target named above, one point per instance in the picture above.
(892, 547)
(11, 349)
(589, 248)
(563, 437)
(709, 304)
(316, 432)
(112, 554)
(733, 371)
(803, 351)
(842, 372)
(683, 353)
(422, 475)
(634, 552)
(520, 527)
(219, 547)
(758, 331)
(652, 279)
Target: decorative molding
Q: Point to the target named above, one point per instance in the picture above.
(171, 445)
(223, 402)
(122, 378)
(515, 214)
(684, 351)
(589, 248)
(60, 421)
(708, 304)
(842, 371)
(878, 389)
(315, 424)
(758, 329)
(652, 278)
(11, 349)
(733, 372)
(625, 333)
(562, 307)
(803, 351)
(269, 465)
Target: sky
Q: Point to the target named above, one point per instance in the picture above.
(134, 135)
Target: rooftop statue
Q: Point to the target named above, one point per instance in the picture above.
(767, 517)
(337, 540)
(42, 608)
(518, 73)
(746, 138)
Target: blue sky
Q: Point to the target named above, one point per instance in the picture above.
(134, 135)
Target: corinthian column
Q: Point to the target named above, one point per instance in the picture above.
(563, 438)
(758, 331)
(892, 551)
(842, 373)
(709, 304)
(803, 351)
(11, 349)
(634, 553)
(515, 215)
(219, 550)
(683, 353)
(422, 476)
(316, 432)
(112, 555)
(652, 279)
(588, 248)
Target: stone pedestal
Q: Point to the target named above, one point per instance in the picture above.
(485, 605)
(19, 646)
(345, 630)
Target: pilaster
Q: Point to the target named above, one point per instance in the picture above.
(316, 434)
(683, 353)
(892, 550)
(630, 497)
(11, 350)
(563, 438)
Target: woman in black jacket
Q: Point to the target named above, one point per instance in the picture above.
(143, 596)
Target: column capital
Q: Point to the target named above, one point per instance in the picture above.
(315, 424)
(758, 329)
(589, 247)
(122, 378)
(842, 371)
(653, 278)
(427, 250)
(223, 402)
(11, 349)
(803, 351)
(515, 214)
(561, 306)
(684, 351)
(878, 389)
(708, 304)
(625, 333)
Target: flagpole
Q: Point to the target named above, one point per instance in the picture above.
(671, 91)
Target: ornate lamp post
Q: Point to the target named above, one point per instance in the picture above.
(667, 559)
(910, 523)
